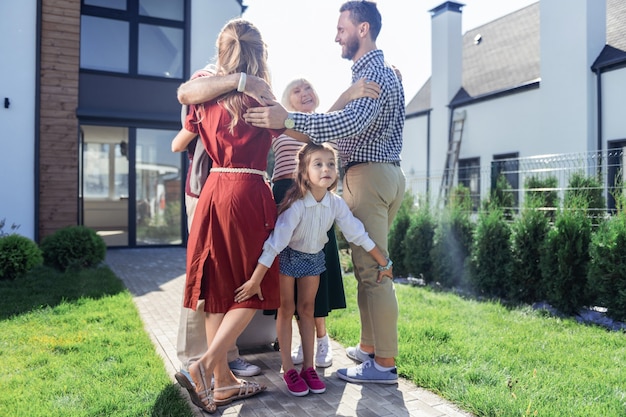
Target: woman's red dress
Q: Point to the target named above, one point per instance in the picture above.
(235, 214)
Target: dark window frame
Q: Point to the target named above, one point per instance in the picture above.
(134, 19)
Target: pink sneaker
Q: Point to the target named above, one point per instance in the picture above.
(295, 384)
(313, 380)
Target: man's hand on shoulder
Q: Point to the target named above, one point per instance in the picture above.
(271, 116)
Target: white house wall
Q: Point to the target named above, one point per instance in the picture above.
(414, 155)
(504, 125)
(18, 23)
(208, 17)
(613, 113)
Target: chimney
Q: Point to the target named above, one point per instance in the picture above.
(447, 53)
(445, 82)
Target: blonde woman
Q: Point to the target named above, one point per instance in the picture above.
(234, 215)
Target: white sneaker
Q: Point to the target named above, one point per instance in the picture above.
(356, 354)
(241, 367)
(324, 354)
(296, 355)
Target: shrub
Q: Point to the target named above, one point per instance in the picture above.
(418, 244)
(18, 255)
(397, 250)
(607, 269)
(565, 259)
(452, 240)
(501, 196)
(73, 247)
(586, 193)
(528, 233)
(541, 193)
(490, 254)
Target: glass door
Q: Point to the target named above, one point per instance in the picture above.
(104, 185)
(159, 189)
(122, 165)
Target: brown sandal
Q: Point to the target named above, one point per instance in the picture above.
(246, 389)
(203, 398)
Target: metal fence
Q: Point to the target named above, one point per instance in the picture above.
(606, 167)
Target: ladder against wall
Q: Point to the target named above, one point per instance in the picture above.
(452, 156)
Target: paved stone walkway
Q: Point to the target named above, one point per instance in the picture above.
(155, 277)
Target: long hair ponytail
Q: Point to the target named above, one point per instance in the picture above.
(240, 48)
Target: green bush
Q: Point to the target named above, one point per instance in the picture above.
(586, 193)
(528, 233)
(418, 244)
(453, 240)
(18, 255)
(565, 260)
(397, 250)
(501, 196)
(607, 266)
(541, 193)
(73, 247)
(490, 254)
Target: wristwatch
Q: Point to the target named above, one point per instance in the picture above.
(289, 121)
(386, 267)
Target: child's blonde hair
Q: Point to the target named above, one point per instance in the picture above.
(300, 186)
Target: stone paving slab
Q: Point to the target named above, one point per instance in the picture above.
(155, 277)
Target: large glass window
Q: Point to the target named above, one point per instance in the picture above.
(106, 53)
(160, 51)
(135, 37)
(170, 9)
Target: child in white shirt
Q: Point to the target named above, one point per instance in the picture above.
(305, 216)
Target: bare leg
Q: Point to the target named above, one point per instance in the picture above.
(283, 320)
(320, 327)
(222, 332)
(307, 288)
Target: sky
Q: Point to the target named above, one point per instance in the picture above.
(300, 35)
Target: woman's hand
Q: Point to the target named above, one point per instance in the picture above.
(259, 90)
(363, 88)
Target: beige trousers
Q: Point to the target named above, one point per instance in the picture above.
(374, 192)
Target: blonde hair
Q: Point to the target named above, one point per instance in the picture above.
(286, 99)
(240, 48)
(300, 185)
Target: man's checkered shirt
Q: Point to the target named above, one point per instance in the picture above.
(366, 130)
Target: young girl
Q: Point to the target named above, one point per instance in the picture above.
(305, 215)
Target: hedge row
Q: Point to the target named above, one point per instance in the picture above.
(564, 254)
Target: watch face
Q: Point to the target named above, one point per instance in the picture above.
(289, 123)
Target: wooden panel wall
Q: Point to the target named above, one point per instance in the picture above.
(58, 163)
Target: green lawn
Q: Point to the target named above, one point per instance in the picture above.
(73, 345)
(495, 361)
